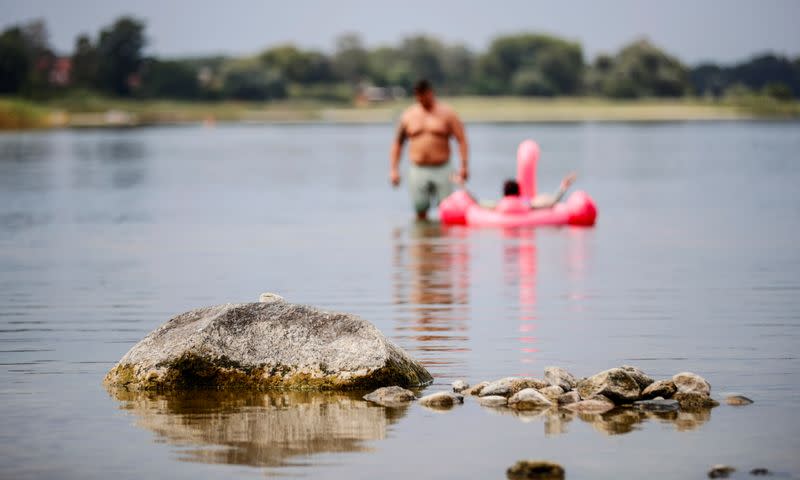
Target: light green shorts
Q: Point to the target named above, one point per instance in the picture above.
(429, 185)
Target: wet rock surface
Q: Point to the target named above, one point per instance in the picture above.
(442, 400)
(267, 345)
(459, 386)
(737, 400)
(475, 389)
(720, 471)
(687, 382)
(695, 401)
(569, 397)
(390, 396)
(529, 399)
(533, 469)
(597, 404)
(639, 376)
(661, 388)
(508, 386)
(616, 384)
(560, 377)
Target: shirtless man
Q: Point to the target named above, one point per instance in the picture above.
(429, 124)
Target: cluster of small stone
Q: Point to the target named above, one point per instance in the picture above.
(604, 391)
(724, 471)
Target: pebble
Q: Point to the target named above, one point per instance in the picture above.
(538, 470)
(720, 471)
(738, 400)
(441, 400)
(459, 386)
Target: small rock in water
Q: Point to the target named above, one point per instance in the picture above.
(441, 400)
(508, 386)
(641, 378)
(738, 400)
(493, 401)
(597, 404)
(475, 389)
(539, 470)
(760, 471)
(459, 386)
(695, 401)
(661, 388)
(569, 397)
(390, 396)
(528, 399)
(552, 392)
(687, 382)
(267, 297)
(658, 404)
(720, 471)
(616, 384)
(559, 376)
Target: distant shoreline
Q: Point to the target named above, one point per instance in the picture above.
(95, 112)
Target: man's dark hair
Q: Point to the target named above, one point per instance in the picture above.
(422, 86)
(511, 188)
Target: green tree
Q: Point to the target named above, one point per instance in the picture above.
(84, 63)
(558, 64)
(249, 80)
(15, 61)
(642, 70)
(351, 61)
(169, 79)
(119, 55)
(295, 65)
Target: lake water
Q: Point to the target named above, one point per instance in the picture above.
(693, 265)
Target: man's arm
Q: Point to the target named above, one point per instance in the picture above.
(397, 150)
(549, 201)
(463, 147)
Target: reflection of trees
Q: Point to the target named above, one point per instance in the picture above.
(431, 286)
(258, 429)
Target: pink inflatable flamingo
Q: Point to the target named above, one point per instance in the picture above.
(461, 209)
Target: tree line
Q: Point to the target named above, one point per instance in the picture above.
(113, 62)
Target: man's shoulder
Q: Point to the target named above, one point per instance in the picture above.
(446, 110)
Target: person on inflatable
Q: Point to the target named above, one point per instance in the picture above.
(542, 200)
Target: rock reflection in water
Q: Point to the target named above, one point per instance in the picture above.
(615, 422)
(258, 429)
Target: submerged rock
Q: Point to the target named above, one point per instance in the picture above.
(529, 399)
(616, 384)
(508, 386)
(720, 471)
(441, 400)
(390, 396)
(695, 401)
(459, 386)
(737, 400)
(475, 389)
(687, 382)
(560, 377)
(760, 471)
(661, 388)
(493, 401)
(272, 344)
(539, 470)
(658, 405)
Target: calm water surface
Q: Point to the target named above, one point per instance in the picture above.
(694, 265)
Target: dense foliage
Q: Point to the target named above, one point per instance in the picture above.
(522, 64)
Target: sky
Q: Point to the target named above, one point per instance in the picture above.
(723, 31)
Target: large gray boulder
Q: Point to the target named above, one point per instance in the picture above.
(272, 344)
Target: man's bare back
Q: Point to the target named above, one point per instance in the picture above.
(428, 125)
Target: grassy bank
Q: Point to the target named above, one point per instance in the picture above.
(94, 111)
